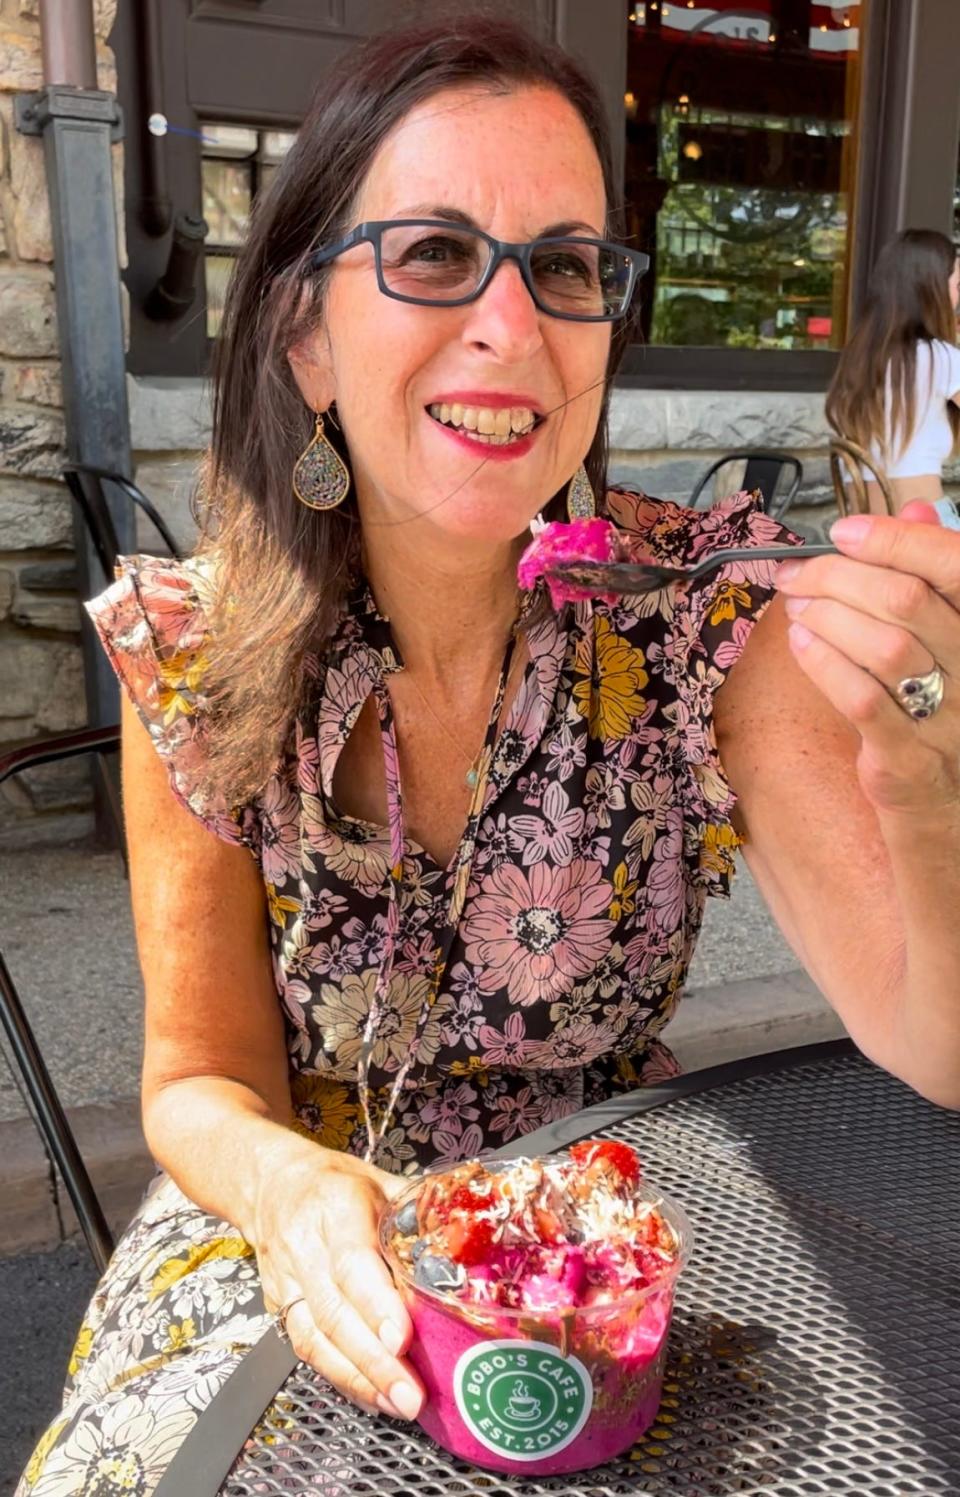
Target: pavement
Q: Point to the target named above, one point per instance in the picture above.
(66, 933)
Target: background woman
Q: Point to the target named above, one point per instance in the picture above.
(482, 832)
(896, 390)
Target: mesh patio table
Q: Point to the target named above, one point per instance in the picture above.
(815, 1345)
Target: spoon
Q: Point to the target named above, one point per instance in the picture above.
(633, 577)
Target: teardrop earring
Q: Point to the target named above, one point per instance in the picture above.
(581, 501)
(321, 479)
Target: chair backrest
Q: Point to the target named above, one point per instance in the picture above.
(86, 485)
(764, 469)
(847, 462)
(48, 1109)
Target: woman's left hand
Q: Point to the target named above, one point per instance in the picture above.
(885, 610)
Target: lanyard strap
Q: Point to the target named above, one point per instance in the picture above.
(378, 1120)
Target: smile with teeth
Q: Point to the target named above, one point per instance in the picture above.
(497, 428)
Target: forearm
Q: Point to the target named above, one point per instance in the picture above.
(221, 1141)
(925, 1004)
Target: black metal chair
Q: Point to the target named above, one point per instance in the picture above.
(764, 469)
(48, 1110)
(85, 483)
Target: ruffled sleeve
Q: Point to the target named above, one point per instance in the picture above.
(708, 626)
(153, 624)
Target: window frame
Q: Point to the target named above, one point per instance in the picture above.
(906, 174)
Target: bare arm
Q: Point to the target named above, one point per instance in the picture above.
(216, 1099)
(215, 1092)
(868, 899)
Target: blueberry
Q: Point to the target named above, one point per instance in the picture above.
(406, 1221)
(433, 1272)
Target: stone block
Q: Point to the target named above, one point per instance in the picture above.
(28, 318)
(46, 611)
(168, 414)
(31, 443)
(64, 706)
(20, 65)
(38, 384)
(3, 233)
(32, 233)
(41, 687)
(6, 593)
(34, 516)
(663, 475)
(638, 419)
(746, 418)
(106, 70)
(104, 15)
(170, 484)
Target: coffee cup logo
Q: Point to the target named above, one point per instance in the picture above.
(521, 1399)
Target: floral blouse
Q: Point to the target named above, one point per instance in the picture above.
(604, 824)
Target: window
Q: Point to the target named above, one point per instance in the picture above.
(740, 166)
(236, 164)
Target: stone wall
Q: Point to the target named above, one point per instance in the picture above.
(41, 674)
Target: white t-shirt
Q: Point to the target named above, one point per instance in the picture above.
(932, 440)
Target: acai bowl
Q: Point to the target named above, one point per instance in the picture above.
(541, 1292)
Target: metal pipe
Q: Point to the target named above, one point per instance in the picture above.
(156, 208)
(68, 43)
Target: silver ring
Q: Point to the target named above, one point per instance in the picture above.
(280, 1319)
(920, 696)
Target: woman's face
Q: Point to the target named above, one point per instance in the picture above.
(954, 284)
(518, 165)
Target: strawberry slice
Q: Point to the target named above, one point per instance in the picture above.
(608, 1151)
(467, 1200)
(468, 1240)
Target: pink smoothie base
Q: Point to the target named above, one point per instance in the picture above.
(441, 1339)
(626, 1392)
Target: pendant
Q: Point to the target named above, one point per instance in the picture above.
(472, 778)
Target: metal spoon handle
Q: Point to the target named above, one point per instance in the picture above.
(757, 553)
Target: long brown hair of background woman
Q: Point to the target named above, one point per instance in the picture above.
(908, 301)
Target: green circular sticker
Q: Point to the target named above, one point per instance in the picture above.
(521, 1399)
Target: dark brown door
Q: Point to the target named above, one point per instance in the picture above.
(257, 62)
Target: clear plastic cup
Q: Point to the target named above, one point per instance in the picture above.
(534, 1391)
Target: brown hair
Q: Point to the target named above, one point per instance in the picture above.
(908, 302)
(283, 570)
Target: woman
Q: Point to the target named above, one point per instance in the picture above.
(896, 391)
(482, 834)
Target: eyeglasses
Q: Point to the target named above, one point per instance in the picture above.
(434, 263)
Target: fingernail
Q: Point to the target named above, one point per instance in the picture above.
(392, 1337)
(853, 529)
(405, 1397)
(799, 635)
(787, 571)
(948, 513)
(386, 1407)
(795, 606)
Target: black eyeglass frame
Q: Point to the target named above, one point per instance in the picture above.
(371, 233)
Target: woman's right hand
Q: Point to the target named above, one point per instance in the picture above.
(315, 1235)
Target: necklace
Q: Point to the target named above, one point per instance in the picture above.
(472, 775)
